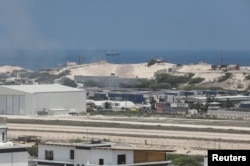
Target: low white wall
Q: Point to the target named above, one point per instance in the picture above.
(14, 159)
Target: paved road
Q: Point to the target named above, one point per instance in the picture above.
(168, 122)
(127, 132)
(195, 142)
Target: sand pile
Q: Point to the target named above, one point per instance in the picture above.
(5, 69)
(140, 70)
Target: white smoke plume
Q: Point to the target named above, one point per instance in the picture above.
(18, 29)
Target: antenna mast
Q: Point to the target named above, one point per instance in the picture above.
(222, 57)
(80, 59)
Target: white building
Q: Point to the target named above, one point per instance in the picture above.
(3, 132)
(90, 154)
(11, 154)
(38, 99)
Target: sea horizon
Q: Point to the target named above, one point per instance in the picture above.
(42, 59)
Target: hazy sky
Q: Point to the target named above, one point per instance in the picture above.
(125, 24)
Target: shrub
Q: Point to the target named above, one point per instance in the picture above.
(163, 86)
(196, 80)
(90, 83)
(247, 77)
(170, 79)
(3, 76)
(63, 73)
(33, 151)
(194, 87)
(190, 75)
(185, 160)
(151, 62)
(225, 77)
(240, 86)
(68, 82)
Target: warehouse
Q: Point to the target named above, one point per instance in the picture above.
(41, 99)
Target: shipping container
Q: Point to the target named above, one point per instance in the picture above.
(174, 105)
(159, 107)
(166, 108)
(182, 105)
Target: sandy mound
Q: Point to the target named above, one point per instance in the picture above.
(5, 69)
(194, 68)
(140, 70)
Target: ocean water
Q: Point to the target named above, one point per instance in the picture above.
(41, 59)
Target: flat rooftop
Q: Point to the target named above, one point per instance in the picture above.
(3, 125)
(42, 88)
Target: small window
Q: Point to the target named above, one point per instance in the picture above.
(101, 162)
(49, 155)
(121, 159)
(3, 137)
(72, 154)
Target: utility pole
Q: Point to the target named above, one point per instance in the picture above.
(80, 59)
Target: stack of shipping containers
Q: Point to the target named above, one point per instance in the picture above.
(172, 108)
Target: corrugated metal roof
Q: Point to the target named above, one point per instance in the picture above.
(42, 88)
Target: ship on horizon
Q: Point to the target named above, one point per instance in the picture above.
(110, 53)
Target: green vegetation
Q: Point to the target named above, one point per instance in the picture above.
(77, 140)
(240, 86)
(161, 86)
(185, 160)
(196, 80)
(201, 108)
(227, 104)
(68, 82)
(171, 79)
(117, 113)
(151, 62)
(3, 76)
(44, 77)
(190, 75)
(194, 87)
(90, 83)
(168, 81)
(225, 77)
(137, 126)
(33, 151)
(247, 77)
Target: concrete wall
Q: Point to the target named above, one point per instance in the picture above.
(129, 156)
(14, 158)
(82, 156)
(110, 156)
(61, 153)
(3, 135)
(97, 154)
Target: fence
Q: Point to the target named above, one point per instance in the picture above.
(152, 143)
